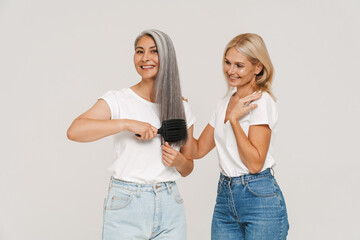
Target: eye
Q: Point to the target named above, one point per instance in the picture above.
(139, 51)
(154, 51)
(227, 62)
(239, 65)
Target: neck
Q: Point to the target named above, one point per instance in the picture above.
(245, 90)
(145, 89)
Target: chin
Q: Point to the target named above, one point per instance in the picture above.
(233, 84)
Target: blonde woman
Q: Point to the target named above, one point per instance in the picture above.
(143, 200)
(249, 202)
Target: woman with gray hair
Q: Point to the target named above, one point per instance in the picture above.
(143, 200)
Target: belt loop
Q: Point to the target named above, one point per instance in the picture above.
(138, 191)
(222, 180)
(242, 180)
(168, 188)
(111, 179)
(272, 172)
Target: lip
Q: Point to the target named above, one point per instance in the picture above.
(146, 67)
(233, 79)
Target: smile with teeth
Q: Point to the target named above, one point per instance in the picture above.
(233, 78)
(147, 67)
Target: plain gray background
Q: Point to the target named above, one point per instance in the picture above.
(57, 57)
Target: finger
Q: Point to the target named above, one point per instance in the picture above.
(252, 97)
(151, 134)
(185, 99)
(166, 162)
(251, 107)
(167, 155)
(147, 135)
(166, 149)
(154, 129)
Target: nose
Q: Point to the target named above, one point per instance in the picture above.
(231, 70)
(145, 57)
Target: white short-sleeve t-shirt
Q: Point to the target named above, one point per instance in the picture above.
(134, 160)
(229, 159)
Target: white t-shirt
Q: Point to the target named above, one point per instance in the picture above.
(229, 159)
(134, 160)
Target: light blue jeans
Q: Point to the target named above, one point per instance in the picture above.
(143, 211)
(249, 207)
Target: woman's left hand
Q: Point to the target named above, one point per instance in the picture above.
(243, 106)
(171, 157)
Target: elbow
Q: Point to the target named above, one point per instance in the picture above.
(256, 168)
(70, 134)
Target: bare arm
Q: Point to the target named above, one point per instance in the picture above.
(96, 123)
(204, 144)
(252, 148)
(182, 161)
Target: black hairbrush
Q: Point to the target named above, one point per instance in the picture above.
(172, 130)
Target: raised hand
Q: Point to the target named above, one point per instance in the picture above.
(243, 106)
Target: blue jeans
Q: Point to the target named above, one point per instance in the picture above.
(249, 207)
(143, 211)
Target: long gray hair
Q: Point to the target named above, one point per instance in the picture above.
(167, 90)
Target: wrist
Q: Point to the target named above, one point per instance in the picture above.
(182, 162)
(124, 125)
(232, 120)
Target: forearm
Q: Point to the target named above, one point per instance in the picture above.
(185, 167)
(248, 153)
(204, 144)
(199, 149)
(88, 130)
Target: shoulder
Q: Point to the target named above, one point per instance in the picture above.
(187, 107)
(265, 99)
(266, 102)
(119, 94)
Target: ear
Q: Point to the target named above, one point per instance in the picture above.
(259, 67)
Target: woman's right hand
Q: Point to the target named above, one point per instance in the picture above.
(142, 130)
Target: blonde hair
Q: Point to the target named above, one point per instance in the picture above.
(253, 46)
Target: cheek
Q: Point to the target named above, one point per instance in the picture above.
(245, 72)
(136, 60)
(156, 59)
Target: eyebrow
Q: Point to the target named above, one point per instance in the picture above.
(143, 48)
(235, 62)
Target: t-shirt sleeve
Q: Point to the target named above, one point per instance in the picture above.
(111, 100)
(190, 118)
(265, 113)
(213, 118)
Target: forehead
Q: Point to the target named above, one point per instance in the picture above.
(146, 41)
(234, 55)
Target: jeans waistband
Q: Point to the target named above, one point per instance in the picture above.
(247, 177)
(139, 187)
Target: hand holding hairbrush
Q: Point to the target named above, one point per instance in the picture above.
(172, 130)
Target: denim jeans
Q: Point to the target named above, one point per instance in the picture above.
(249, 207)
(143, 211)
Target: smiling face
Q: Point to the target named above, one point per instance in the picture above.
(146, 58)
(239, 71)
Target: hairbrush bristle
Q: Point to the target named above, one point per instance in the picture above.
(174, 131)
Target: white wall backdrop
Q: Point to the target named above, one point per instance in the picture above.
(57, 57)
